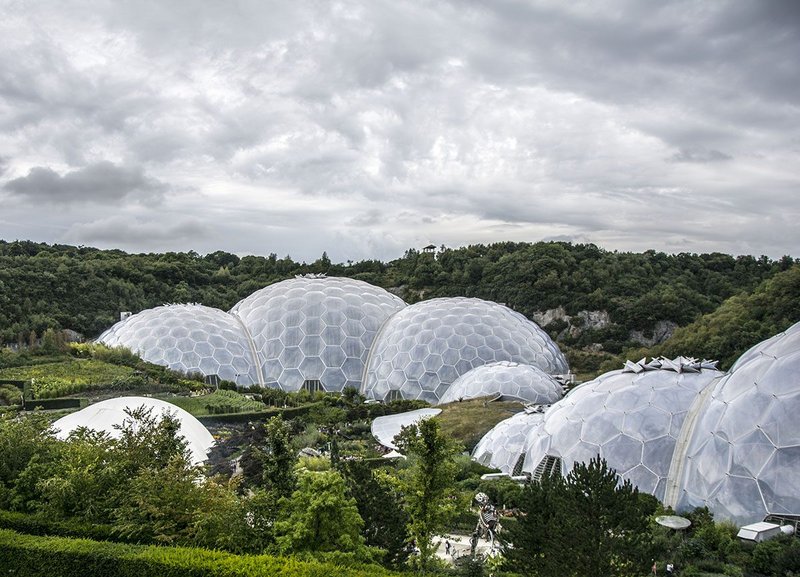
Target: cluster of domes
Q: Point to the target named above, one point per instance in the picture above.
(678, 429)
(631, 419)
(425, 347)
(327, 333)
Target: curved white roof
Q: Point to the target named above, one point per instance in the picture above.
(188, 338)
(384, 429)
(504, 445)
(315, 328)
(105, 415)
(425, 347)
(631, 419)
(512, 381)
(743, 461)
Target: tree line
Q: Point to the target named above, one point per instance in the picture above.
(81, 288)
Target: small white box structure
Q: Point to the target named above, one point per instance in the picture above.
(758, 532)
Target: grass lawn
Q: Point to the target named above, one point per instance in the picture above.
(470, 420)
(215, 403)
(67, 377)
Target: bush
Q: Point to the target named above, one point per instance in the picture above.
(39, 525)
(49, 556)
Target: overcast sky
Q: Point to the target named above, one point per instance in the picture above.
(367, 128)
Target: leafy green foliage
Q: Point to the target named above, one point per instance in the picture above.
(321, 517)
(586, 524)
(740, 322)
(68, 376)
(217, 403)
(48, 556)
(428, 483)
(270, 464)
(378, 504)
(84, 288)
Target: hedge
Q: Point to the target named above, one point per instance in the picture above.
(53, 404)
(41, 525)
(64, 557)
(287, 413)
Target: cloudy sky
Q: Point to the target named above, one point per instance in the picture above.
(366, 128)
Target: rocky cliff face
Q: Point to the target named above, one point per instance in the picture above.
(573, 326)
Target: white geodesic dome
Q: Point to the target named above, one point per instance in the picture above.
(188, 338)
(424, 348)
(509, 380)
(632, 418)
(106, 416)
(503, 447)
(743, 461)
(315, 330)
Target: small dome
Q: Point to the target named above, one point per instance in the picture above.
(106, 416)
(189, 338)
(425, 347)
(315, 329)
(744, 455)
(632, 418)
(503, 447)
(511, 381)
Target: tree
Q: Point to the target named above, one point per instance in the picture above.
(321, 517)
(380, 508)
(271, 465)
(428, 482)
(586, 525)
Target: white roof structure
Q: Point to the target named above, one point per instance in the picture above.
(315, 328)
(312, 331)
(503, 446)
(424, 348)
(385, 429)
(743, 460)
(631, 419)
(103, 417)
(188, 338)
(509, 380)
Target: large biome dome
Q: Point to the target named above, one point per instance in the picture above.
(503, 447)
(632, 418)
(315, 332)
(744, 455)
(188, 338)
(425, 347)
(107, 416)
(507, 380)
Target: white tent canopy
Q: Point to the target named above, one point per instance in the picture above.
(386, 428)
(105, 415)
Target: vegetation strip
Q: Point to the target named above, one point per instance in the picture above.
(47, 556)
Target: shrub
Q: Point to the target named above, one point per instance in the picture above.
(48, 556)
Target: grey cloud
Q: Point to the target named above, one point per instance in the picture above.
(701, 156)
(102, 182)
(130, 231)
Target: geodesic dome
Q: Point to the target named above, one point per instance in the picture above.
(511, 381)
(315, 331)
(424, 348)
(744, 455)
(188, 338)
(106, 416)
(632, 418)
(503, 447)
